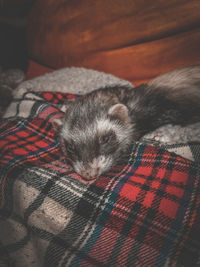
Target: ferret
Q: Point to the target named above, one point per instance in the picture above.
(99, 126)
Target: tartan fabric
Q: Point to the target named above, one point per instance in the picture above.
(143, 212)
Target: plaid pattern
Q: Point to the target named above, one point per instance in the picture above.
(143, 212)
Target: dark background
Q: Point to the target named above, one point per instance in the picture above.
(13, 17)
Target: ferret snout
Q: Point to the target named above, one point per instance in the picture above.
(87, 172)
(92, 170)
(90, 174)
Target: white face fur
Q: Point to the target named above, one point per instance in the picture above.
(94, 168)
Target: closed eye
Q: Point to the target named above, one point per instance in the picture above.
(70, 147)
(106, 138)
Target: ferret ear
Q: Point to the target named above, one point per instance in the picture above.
(119, 111)
(65, 107)
(57, 123)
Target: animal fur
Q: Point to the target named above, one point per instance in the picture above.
(101, 125)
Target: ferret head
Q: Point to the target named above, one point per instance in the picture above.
(92, 136)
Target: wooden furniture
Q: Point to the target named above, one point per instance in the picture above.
(133, 39)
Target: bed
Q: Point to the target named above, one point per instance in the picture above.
(145, 210)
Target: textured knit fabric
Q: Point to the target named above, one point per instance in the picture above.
(143, 212)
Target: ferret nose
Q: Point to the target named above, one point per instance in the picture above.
(90, 174)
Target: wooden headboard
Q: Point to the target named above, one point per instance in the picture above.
(133, 39)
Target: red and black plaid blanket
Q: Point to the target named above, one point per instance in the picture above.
(143, 212)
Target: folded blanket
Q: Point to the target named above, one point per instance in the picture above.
(143, 212)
